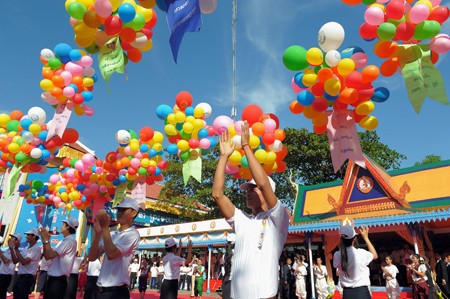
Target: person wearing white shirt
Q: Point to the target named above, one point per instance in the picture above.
(153, 275)
(353, 262)
(7, 268)
(42, 276)
(390, 272)
(72, 280)
(260, 236)
(182, 283)
(133, 269)
(28, 260)
(119, 247)
(92, 273)
(172, 264)
(62, 256)
(320, 272)
(300, 279)
(159, 275)
(418, 272)
(191, 283)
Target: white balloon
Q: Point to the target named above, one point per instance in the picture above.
(37, 115)
(236, 140)
(123, 137)
(330, 37)
(46, 54)
(140, 41)
(276, 146)
(27, 137)
(36, 153)
(206, 109)
(332, 57)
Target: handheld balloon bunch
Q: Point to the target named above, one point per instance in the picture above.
(265, 140)
(96, 22)
(330, 80)
(68, 78)
(23, 141)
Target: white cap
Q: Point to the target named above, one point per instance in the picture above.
(347, 229)
(1, 239)
(128, 202)
(72, 222)
(18, 236)
(231, 238)
(32, 231)
(170, 243)
(244, 186)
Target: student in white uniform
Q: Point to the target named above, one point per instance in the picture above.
(172, 263)
(28, 260)
(153, 274)
(353, 262)
(92, 274)
(62, 256)
(320, 272)
(72, 280)
(119, 247)
(7, 268)
(260, 236)
(300, 279)
(390, 272)
(42, 276)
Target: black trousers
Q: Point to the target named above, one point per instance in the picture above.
(5, 280)
(90, 289)
(56, 287)
(133, 277)
(72, 286)
(182, 281)
(356, 293)
(23, 286)
(115, 293)
(169, 289)
(226, 290)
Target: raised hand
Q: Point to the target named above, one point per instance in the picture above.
(364, 232)
(225, 147)
(245, 135)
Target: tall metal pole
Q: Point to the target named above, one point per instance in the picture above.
(233, 37)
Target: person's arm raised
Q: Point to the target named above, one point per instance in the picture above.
(225, 205)
(258, 173)
(365, 235)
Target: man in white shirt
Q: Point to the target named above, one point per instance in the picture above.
(90, 289)
(118, 246)
(42, 277)
(260, 236)
(153, 275)
(28, 260)
(133, 269)
(172, 264)
(7, 268)
(62, 256)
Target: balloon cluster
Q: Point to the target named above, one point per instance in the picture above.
(68, 78)
(97, 21)
(138, 156)
(186, 128)
(333, 80)
(406, 22)
(23, 140)
(265, 140)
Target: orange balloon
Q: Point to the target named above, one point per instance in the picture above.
(58, 81)
(47, 73)
(134, 55)
(385, 48)
(56, 92)
(320, 129)
(370, 73)
(258, 128)
(279, 134)
(348, 96)
(324, 74)
(390, 66)
(16, 114)
(78, 81)
(310, 113)
(352, 2)
(295, 107)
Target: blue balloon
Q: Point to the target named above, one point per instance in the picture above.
(80, 187)
(152, 153)
(126, 12)
(25, 123)
(305, 98)
(143, 148)
(203, 133)
(212, 141)
(329, 97)
(189, 111)
(45, 154)
(380, 95)
(161, 5)
(172, 149)
(298, 80)
(87, 95)
(43, 135)
(95, 77)
(122, 178)
(74, 86)
(157, 171)
(348, 52)
(62, 50)
(75, 55)
(162, 111)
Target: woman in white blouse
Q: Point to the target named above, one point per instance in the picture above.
(300, 278)
(390, 271)
(320, 272)
(418, 272)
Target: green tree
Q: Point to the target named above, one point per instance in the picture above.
(429, 159)
(308, 162)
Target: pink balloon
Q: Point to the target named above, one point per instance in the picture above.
(102, 189)
(68, 91)
(74, 69)
(79, 165)
(103, 8)
(86, 61)
(419, 13)
(135, 163)
(295, 87)
(72, 21)
(440, 44)
(238, 127)
(54, 178)
(205, 143)
(88, 110)
(269, 125)
(70, 173)
(222, 123)
(67, 76)
(231, 169)
(374, 15)
(360, 59)
(88, 159)
(99, 170)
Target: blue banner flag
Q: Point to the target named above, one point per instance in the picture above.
(182, 16)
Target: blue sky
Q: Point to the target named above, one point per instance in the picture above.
(264, 30)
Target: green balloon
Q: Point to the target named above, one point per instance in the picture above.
(76, 10)
(72, 162)
(54, 63)
(294, 58)
(20, 157)
(184, 155)
(386, 31)
(368, 2)
(142, 171)
(244, 162)
(12, 126)
(133, 134)
(36, 184)
(426, 30)
(184, 135)
(137, 23)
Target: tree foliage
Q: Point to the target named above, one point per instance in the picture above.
(308, 163)
(429, 159)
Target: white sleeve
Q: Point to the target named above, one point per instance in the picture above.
(279, 216)
(128, 243)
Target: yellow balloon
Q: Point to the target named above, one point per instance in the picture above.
(171, 119)
(88, 82)
(170, 130)
(86, 3)
(13, 148)
(332, 86)
(182, 145)
(188, 127)
(46, 84)
(308, 71)
(79, 110)
(425, 2)
(158, 137)
(199, 112)
(157, 147)
(235, 158)
(198, 124)
(369, 122)
(365, 108)
(148, 46)
(66, 4)
(254, 142)
(4, 119)
(84, 41)
(132, 2)
(345, 66)
(152, 163)
(314, 56)
(69, 206)
(147, 13)
(261, 155)
(309, 79)
(80, 29)
(180, 117)
(271, 157)
(115, 4)
(34, 129)
(379, 5)
(232, 131)
(145, 162)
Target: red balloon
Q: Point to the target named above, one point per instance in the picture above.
(252, 113)
(268, 138)
(365, 92)
(439, 14)
(70, 135)
(183, 100)
(395, 9)
(353, 80)
(153, 20)
(320, 104)
(134, 55)
(368, 32)
(113, 25)
(318, 89)
(148, 32)
(146, 134)
(405, 31)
